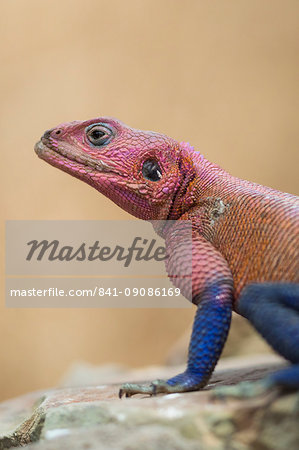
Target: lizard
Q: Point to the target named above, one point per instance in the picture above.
(244, 237)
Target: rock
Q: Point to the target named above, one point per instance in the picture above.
(86, 374)
(94, 417)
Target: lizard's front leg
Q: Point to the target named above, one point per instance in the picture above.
(212, 291)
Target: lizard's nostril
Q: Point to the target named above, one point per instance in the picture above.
(52, 133)
(47, 134)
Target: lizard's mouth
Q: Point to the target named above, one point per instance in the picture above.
(103, 177)
(72, 160)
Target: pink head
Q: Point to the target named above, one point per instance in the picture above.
(138, 170)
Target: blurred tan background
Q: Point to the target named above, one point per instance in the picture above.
(222, 75)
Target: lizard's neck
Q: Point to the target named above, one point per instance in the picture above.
(199, 179)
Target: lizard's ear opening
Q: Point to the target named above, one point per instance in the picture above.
(151, 170)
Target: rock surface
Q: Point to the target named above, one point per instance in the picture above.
(94, 418)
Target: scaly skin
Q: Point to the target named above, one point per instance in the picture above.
(242, 232)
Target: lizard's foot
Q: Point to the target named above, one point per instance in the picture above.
(280, 382)
(245, 389)
(184, 382)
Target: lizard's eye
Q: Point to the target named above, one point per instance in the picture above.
(98, 135)
(151, 170)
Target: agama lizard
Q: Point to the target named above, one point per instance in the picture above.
(244, 236)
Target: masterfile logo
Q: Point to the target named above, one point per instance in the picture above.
(53, 250)
(92, 264)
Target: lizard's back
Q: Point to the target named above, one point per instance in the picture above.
(256, 228)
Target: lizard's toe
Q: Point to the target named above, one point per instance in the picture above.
(129, 389)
